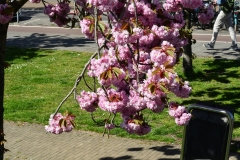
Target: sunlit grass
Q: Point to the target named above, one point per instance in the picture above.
(38, 80)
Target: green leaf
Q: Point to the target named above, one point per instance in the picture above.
(163, 88)
(60, 122)
(106, 74)
(166, 74)
(156, 71)
(171, 70)
(130, 29)
(73, 123)
(103, 75)
(152, 88)
(109, 74)
(136, 121)
(157, 48)
(102, 26)
(170, 51)
(91, 28)
(117, 70)
(64, 123)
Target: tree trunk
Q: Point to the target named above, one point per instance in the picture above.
(3, 38)
(187, 54)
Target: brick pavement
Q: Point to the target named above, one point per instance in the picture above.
(30, 142)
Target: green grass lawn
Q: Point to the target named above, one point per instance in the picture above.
(38, 80)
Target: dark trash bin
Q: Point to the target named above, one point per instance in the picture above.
(208, 134)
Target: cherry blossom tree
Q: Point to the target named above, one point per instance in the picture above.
(134, 64)
(137, 51)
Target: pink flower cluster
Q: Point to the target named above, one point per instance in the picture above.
(135, 68)
(103, 5)
(60, 123)
(205, 14)
(58, 13)
(112, 101)
(87, 26)
(135, 125)
(88, 101)
(6, 13)
(191, 4)
(35, 1)
(181, 115)
(172, 5)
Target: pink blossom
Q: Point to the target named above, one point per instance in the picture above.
(58, 13)
(113, 102)
(57, 128)
(121, 37)
(206, 14)
(176, 111)
(109, 126)
(54, 126)
(191, 4)
(180, 113)
(161, 31)
(171, 6)
(35, 1)
(146, 39)
(136, 101)
(135, 125)
(88, 101)
(183, 120)
(103, 5)
(181, 90)
(155, 104)
(135, 66)
(159, 57)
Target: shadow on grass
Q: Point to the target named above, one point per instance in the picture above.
(235, 146)
(217, 72)
(220, 72)
(20, 53)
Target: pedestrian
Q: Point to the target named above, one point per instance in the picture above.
(224, 16)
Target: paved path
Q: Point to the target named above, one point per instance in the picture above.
(30, 142)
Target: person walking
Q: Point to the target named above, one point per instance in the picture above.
(224, 16)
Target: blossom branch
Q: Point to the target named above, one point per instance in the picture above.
(76, 83)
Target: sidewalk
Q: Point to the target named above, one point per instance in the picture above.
(30, 142)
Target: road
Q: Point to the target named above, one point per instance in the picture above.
(35, 30)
